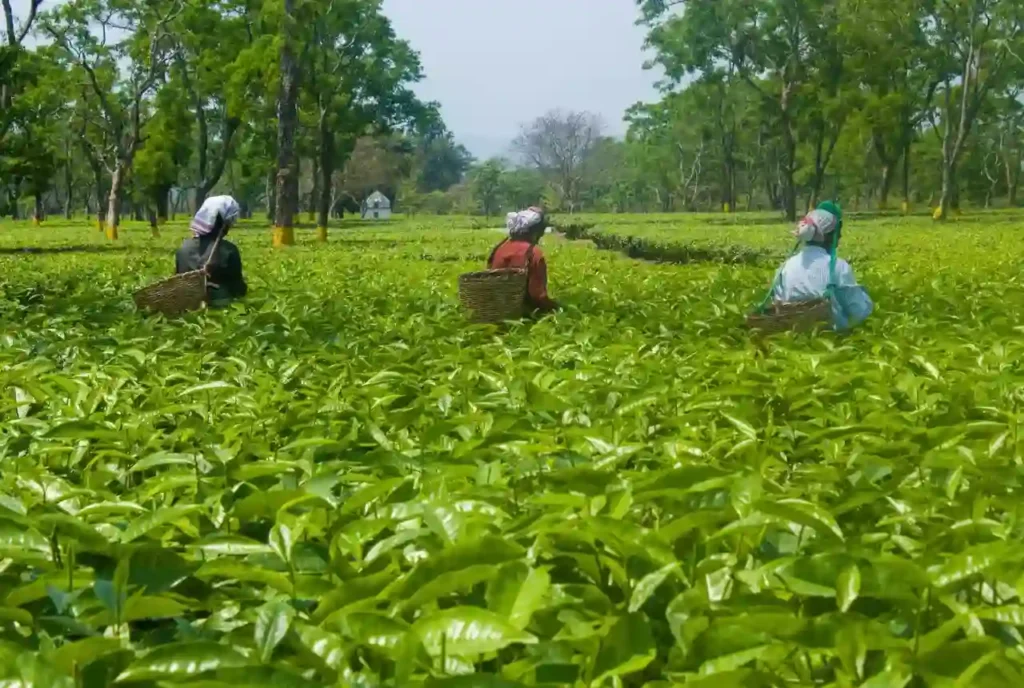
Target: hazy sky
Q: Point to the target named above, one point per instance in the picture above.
(496, 64)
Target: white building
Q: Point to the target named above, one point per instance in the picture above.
(376, 207)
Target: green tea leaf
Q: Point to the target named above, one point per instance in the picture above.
(467, 631)
(648, 585)
(272, 623)
(848, 587)
(628, 648)
(180, 661)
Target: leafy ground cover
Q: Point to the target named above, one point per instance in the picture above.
(339, 482)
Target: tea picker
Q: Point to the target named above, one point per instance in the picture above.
(814, 287)
(516, 279)
(209, 268)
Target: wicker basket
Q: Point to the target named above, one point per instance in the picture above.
(493, 296)
(800, 316)
(175, 295)
(181, 293)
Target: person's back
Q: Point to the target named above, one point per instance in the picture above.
(225, 267)
(520, 251)
(221, 259)
(807, 274)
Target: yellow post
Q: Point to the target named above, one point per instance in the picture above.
(937, 214)
(283, 236)
(321, 233)
(726, 208)
(905, 208)
(112, 232)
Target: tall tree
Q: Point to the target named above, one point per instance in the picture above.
(776, 46)
(976, 44)
(122, 74)
(894, 66)
(485, 182)
(359, 77)
(221, 65)
(15, 32)
(441, 162)
(286, 191)
(558, 145)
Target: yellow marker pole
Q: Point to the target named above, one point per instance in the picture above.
(726, 208)
(112, 232)
(905, 208)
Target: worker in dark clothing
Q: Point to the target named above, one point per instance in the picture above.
(520, 250)
(225, 281)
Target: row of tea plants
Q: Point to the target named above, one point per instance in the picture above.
(337, 482)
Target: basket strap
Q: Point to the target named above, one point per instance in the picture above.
(490, 259)
(213, 250)
(762, 307)
(832, 264)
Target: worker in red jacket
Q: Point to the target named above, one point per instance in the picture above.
(520, 250)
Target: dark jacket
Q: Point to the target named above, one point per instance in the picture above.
(225, 275)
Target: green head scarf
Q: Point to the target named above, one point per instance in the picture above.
(835, 209)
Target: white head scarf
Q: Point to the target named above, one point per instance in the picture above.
(521, 224)
(815, 226)
(224, 206)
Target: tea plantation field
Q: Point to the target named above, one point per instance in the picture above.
(338, 482)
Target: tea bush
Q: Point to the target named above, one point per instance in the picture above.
(338, 481)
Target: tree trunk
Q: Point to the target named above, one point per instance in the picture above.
(906, 176)
(100, 195)
(325, 168)
(287, 186)
(946, 195)
(69, 199)
(37, 217)
(160, 201)
(1011, 167)
(884, 184)
(114, 200)
(270, 191)
(728, 182)
(788, 167)
(314, 192)
(954, 198)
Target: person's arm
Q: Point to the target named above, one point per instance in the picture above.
(538, 284)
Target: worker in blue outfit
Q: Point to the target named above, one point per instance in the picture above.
(815, 271)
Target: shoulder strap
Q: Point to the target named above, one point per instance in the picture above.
(775, 283)
(832, 264)
(213, 250)
(490, 259)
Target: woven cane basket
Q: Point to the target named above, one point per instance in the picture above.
(493, 296)
(175, 295)
(799, 316)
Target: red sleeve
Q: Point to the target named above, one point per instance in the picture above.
(538, 287)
